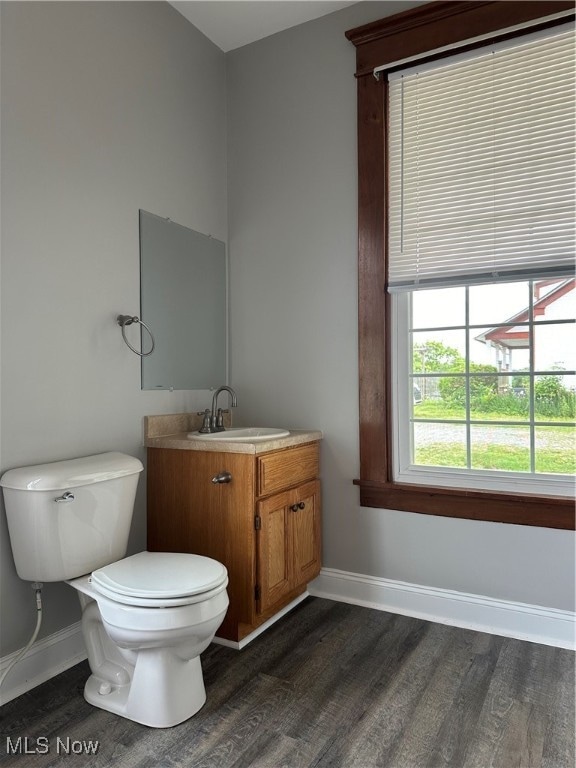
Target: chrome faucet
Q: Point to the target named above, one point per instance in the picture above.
(214, 422)
(216, 417)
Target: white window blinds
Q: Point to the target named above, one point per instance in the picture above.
(481, 151)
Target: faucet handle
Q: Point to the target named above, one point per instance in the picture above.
(205, 428)
(220, 419)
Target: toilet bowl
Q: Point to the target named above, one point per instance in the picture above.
(145, 618)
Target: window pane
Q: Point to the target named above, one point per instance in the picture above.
(491, 304)
(440, 445)
(555, 450)
(500, 398)
(553, 400)
(438, 351)
(501, 448)
(439, 397)
(555, 347)
(438, 308)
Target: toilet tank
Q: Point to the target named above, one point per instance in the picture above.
(68, 518)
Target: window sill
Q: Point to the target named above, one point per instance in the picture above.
(542, 511)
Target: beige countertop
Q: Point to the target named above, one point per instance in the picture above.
(170, 431)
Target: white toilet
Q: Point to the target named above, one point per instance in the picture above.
(146, 618)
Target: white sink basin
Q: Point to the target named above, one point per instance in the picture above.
(241, 435)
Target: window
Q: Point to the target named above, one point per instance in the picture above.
(472, 361)
(494, 367)
(481, 192)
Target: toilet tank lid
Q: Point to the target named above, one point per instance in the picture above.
(72, 473)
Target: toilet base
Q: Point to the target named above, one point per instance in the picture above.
(145, 662)
(163, 692)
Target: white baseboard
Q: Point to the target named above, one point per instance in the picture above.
(548, 626)
(45, 659)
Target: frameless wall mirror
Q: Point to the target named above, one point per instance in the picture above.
(183, 299)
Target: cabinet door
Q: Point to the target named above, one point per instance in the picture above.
(273, 550)
(305, 533)
(288, 542)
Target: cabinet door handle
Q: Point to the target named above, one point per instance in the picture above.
(294, 508)
(301, 505)
(222, 477)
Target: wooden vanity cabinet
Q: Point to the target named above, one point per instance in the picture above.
(264, 525)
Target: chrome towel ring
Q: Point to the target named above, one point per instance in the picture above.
(123, 321)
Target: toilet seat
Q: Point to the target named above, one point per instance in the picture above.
(161, 579)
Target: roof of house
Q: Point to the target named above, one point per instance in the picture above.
(514, 336)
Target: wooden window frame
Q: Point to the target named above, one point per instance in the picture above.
(417, 32)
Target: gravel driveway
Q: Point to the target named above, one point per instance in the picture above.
(559, 438)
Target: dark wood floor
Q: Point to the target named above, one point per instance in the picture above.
(330, 686)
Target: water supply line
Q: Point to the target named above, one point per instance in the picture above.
(38, 588)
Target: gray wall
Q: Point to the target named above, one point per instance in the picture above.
(106, 108)
(292, 238)
(111, 107)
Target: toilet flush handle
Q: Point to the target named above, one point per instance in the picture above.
(222, 477)
(65, 497)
